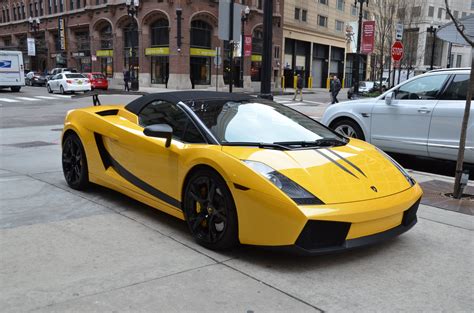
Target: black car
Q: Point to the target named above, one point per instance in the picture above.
(35, 79)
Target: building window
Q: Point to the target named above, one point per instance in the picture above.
(322, 21)
(78, 4)
(339, 26)
(430, 11)
(159, 69)
(106, 38)
(304, 14)
(14, 13)
(160, 33)
(31, 9)
(401, 13)
(416, 11)
(366, 15)
(259, 4)
(297, 14)
(440, 12)
(201, 37)
(23, 13)
(8, 15)
(36, 9)
(276, 52)
(61, 5)
(459, 60)
(71, 5)
(201, 34)
(323, 2)
(340, 5)
(455, 13)
(41, 7)
(353, 10)
(50, 6)
(55, 6)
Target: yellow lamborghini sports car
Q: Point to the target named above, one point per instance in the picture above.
(240, 169)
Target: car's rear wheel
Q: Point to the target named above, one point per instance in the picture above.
(75, 163)
(348, 128)
(210, 211)
(61, 89)
(49, 88)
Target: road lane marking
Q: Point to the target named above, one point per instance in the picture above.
(27, 99)
(8, 100)
(45, 97)
(62, 96)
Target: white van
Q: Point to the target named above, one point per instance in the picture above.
(11, 70)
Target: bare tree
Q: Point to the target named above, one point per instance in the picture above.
(457, 193)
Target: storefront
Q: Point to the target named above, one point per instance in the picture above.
(201, 53)
(160, 65)
(106, 61)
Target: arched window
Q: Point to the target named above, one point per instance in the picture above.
(106, 37)
(160, 35)
(201, 34)
(257, 41)
(130, 36)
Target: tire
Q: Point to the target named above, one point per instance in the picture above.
(348, 128)
(61, 89)
(15, 89)
(74, 163)
(216, 226)
(49, 88)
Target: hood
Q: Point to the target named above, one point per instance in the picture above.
(354, 172)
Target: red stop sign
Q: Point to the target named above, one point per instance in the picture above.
(397, 51)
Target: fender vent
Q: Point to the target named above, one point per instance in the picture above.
(107, 112)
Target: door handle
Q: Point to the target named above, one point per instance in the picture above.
(424, 110)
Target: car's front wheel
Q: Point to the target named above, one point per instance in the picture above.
(75, 163)
(210, 211)
(348, 128)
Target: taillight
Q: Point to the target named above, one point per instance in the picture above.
(69, 81)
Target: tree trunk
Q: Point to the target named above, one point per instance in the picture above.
(462, 141)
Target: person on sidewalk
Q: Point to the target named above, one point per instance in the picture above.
(299, 88)
(126, 79)
(334, 89)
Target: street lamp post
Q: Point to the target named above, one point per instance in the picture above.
(432, 30)
(34, 27)
(359, 36)
(132, 10)
(245, 16)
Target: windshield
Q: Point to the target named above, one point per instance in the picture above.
(74, 76)
(258, 121)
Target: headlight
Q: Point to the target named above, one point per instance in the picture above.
(289, 187)
(410, 180)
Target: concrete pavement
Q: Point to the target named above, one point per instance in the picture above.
(98, 251)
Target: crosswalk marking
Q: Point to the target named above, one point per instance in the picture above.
(27, 99)
(45, 97)
(61, 96)
(8, 100)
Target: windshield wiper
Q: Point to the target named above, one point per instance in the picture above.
(324, 142)
(257, 144)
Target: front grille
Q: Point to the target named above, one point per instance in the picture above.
(409, 216)
(322, 234)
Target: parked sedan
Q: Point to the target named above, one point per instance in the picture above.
(98, 80)
(68, 82)
(421, 116)
(35, 79)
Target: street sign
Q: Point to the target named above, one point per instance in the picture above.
(217, 58)
(224, 23)
(397, 51)
(399, 31)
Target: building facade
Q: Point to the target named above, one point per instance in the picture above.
(420, 20)
(99, 36)
(315, 40)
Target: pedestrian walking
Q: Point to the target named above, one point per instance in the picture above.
(126, 79)
(299, 88)
(334, 89)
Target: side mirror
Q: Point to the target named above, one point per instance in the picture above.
(389, 98)
(160, 131)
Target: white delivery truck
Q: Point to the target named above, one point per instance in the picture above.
(11, 70)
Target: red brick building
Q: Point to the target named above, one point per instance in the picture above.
(99, 37)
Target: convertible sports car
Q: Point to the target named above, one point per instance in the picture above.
(240, 169)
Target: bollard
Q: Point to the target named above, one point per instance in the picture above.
(295, 79)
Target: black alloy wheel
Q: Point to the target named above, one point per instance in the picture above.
(348, 128)
(210, 211)
(75, 163)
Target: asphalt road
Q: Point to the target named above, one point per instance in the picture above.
(98, 251)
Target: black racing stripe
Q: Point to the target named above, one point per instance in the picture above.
(108, 161)
(337, 164)
(347, 161)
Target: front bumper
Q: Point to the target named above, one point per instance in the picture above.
(324, 237)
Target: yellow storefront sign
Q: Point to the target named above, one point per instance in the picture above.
(202, 52)
(104, 53)
(157, 51)
(256, 58)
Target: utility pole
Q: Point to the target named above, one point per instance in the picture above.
(265, 86)
(357, 57)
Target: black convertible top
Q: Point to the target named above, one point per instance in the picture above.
(185, 96)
